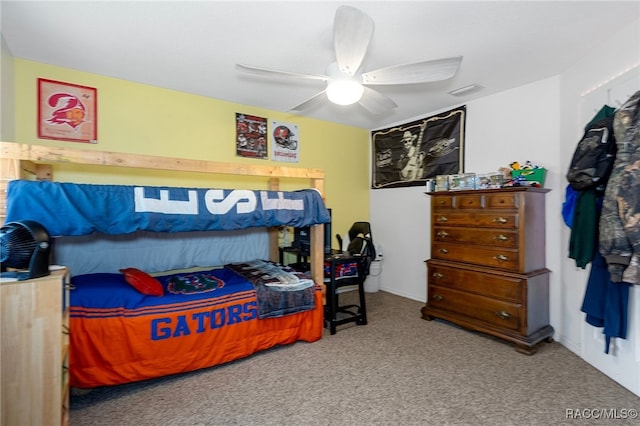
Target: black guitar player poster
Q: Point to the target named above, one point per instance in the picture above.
(411, 153)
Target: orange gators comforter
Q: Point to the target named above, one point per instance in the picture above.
(118, 335)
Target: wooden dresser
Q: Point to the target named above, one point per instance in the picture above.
(35, 351)
(487, 268)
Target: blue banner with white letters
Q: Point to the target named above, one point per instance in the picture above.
(82, 209)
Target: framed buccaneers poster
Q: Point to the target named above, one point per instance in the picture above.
(285, 142)
(67, 112)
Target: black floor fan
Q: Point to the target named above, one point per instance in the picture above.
(24, 248)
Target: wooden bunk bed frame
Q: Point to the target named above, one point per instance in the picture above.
(19, 160)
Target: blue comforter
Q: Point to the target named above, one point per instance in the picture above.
(82, 209)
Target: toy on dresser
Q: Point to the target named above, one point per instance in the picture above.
(527, 174)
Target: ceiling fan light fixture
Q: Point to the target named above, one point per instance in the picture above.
(344, 92)
(346, 84)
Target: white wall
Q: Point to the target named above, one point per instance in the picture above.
(585, 87)
(520, 124)
(500, 129)
(541, 122)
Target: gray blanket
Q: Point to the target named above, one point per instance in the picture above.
(280, 290)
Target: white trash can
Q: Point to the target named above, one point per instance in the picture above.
(372, 282)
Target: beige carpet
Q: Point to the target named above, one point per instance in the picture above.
(397, 370)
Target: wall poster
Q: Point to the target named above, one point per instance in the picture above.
(67, 112)
(411, 153)
(251, 136)
(285, 142)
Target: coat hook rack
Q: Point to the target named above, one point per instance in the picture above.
(610, 79)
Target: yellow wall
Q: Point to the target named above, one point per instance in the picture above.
(143, 119)
(7, 120)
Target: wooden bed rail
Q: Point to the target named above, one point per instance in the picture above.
(17, 160)
(51, 154)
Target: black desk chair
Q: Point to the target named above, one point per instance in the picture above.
(357, 261)
(361, 243)
(344, 272)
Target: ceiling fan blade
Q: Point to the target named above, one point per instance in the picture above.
(278, 73)
(375, 102)
(419, 72)
(352, 32)
(312, 101)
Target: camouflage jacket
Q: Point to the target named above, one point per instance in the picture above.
(620, 216)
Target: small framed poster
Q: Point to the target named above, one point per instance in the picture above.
(251, 136)
(285, 142)
(67, 112)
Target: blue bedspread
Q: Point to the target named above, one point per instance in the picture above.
(111, 291)
(82, 209)
(278, 291)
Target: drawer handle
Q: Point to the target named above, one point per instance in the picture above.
(437, 275)
(500, 220)
(501, 257)
(501, 237)
(443, 234)
(503, 314)
(445, 251)
(65, 329)
(442, 219)
(438, 298)
(69, 287)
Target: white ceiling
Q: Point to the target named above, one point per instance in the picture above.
(193, 46)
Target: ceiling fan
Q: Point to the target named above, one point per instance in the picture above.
(346, 84)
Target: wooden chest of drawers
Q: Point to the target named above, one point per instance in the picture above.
(487, 268)
(35, 351)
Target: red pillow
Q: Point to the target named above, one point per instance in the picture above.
(143, 282)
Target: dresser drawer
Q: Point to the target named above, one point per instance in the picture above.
(497, 237)
(496, 257)
(477, 201)
(473, 281)
(476, 218)
(502, 201)
(502, 314)
(469, 201)
(441, 201)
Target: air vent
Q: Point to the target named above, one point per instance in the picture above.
(465, 90)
